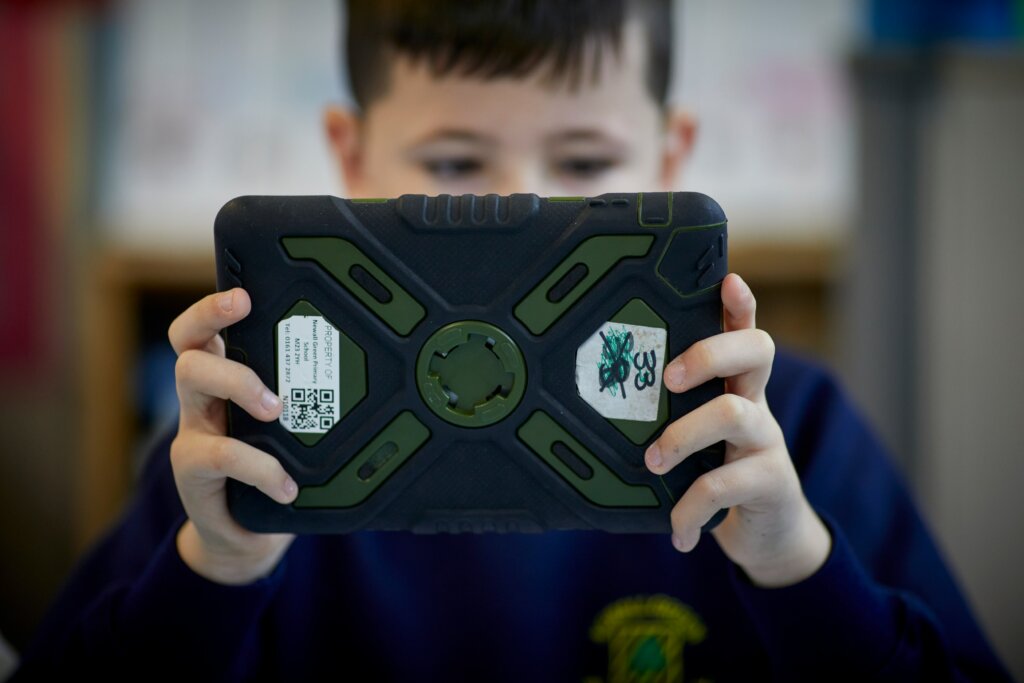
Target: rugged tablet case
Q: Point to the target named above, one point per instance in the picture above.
(470, 363)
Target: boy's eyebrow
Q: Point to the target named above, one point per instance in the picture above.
(455, 134)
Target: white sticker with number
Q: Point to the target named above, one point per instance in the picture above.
(307, 373)
(618, 370)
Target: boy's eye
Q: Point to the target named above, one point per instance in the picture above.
(452, 168)
(585, 167)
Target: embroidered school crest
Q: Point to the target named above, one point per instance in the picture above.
(645, 636)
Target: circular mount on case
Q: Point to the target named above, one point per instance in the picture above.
(470, 373)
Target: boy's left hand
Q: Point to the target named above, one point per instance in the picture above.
(771, 531)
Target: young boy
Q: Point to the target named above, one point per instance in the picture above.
(822, 569)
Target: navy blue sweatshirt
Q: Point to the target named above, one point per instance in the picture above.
(560, 606)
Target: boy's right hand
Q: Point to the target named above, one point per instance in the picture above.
(211, 542)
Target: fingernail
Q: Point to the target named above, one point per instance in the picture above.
(226, 301)
(675, 373)
(677, 543)
(691, 541)
(653, 455)
(290, 487)
(269, 401)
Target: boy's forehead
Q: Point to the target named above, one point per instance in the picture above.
(416, 102)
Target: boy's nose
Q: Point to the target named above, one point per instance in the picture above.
(524, 178)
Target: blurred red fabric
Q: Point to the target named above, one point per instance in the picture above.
(23, 230)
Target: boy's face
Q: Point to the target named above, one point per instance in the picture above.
(457, 134)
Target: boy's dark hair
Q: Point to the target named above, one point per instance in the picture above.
(500, 38)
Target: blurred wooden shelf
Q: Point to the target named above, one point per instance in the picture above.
(185, 269)
(785, 263)
(792, 282)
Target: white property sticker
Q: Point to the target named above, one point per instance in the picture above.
(307, 373)
(618, 370)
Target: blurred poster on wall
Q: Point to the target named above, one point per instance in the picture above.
(208, 101)
(767, 82)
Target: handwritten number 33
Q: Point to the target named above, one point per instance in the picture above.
(645, 373)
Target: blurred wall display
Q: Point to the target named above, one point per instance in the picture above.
(208, 101)
(768, 83)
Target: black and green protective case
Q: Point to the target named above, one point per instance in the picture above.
(470, 363)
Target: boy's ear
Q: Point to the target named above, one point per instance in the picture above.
(342, 126)
(680, 134)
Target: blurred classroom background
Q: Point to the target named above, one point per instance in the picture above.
(869, 154)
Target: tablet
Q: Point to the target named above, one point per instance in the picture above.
(470, 363)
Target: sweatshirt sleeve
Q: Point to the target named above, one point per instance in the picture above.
(132, 604)
(884, 605)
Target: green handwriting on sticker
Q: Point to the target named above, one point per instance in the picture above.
(613, 368)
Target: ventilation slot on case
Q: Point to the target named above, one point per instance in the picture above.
(567, 282)
(372, 285)
(571, 460)
(377, 460)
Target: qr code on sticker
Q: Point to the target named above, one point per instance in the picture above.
(312, 409)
